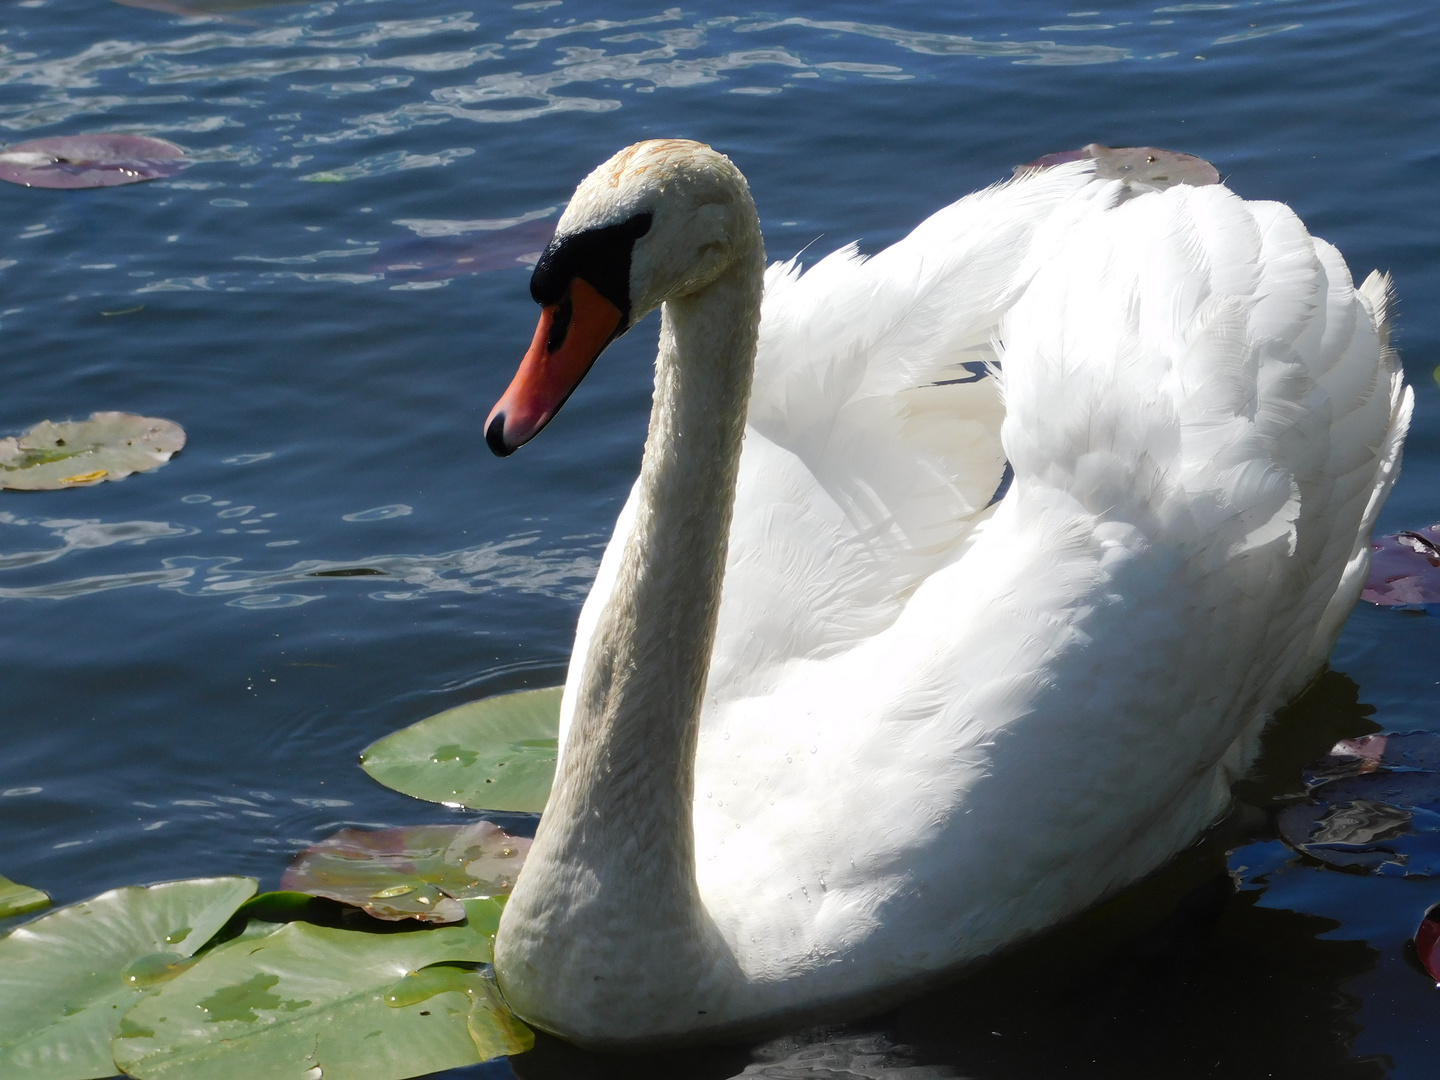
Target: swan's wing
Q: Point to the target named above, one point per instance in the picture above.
(1203, 417)
(873, 443)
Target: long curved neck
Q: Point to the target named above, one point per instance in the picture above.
(631, 752)
(606, 925)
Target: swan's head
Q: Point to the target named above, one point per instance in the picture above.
(659, 220)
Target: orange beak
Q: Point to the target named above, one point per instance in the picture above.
(572, 333)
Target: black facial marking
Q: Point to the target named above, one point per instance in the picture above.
(600, 256)
(560, 325)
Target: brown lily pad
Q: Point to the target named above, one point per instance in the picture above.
(104, 159)
(79, 453)
(416, 872)
(1405, 569)
(1142, 168)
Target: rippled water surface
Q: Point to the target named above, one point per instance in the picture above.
(331, 298)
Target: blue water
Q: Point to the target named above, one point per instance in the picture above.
(180, 695)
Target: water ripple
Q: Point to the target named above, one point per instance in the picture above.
(669, 56)
(85, 535)
(564, 573)
(936, 44)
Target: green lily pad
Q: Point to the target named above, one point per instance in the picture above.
(416, 872)
(79, 453)
(18, 899)
(495, 754)
(307, 1002)
(67, 978)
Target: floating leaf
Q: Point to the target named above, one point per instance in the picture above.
(1405, 569)
(67, 978)
(435, 258)
(1377, 809)
(18, 899)
(78, 453)
(90, 161)
(416, 872)
(1142, 168)
(495, 754)
(311, 1001)
(1427, 943)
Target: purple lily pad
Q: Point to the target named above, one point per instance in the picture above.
(435, 258)
(1376, 808)
(1427, 943)
(90, 161)
(1405, 569)
(1142, 168)
(416, 872)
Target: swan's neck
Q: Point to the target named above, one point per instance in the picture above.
(606, 926)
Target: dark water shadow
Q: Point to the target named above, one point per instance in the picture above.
(1183, 975)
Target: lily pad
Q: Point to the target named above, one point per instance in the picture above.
(435, 258)
(104, 159)
(494, 754)
(19, 899)
(67, 978)
(1377, 809)
(1405, 569)
(416, 872)
(1142, 168)
(307, 1002)
(79, 453)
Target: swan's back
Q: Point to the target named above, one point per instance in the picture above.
(933, 724)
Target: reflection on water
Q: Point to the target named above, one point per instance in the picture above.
(77, 535)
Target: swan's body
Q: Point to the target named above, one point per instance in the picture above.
(933, 725)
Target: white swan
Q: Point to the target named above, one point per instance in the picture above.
(931, 726)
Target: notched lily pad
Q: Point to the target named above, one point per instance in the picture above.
(415, 872)
(1142, 168)
(495, 754)
(104, 159)
(1405, 570)
(68, 977)
(1375, 808)
(317, 1002)
(79, 453)
(19, 899)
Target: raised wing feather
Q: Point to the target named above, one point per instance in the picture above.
(1202, 418)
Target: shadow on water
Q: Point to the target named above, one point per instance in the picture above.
(1185, 975)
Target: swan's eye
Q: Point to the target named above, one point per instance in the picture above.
(560, 324)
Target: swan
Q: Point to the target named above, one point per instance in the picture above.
(838, 719)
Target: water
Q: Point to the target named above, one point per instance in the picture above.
(183, 695)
